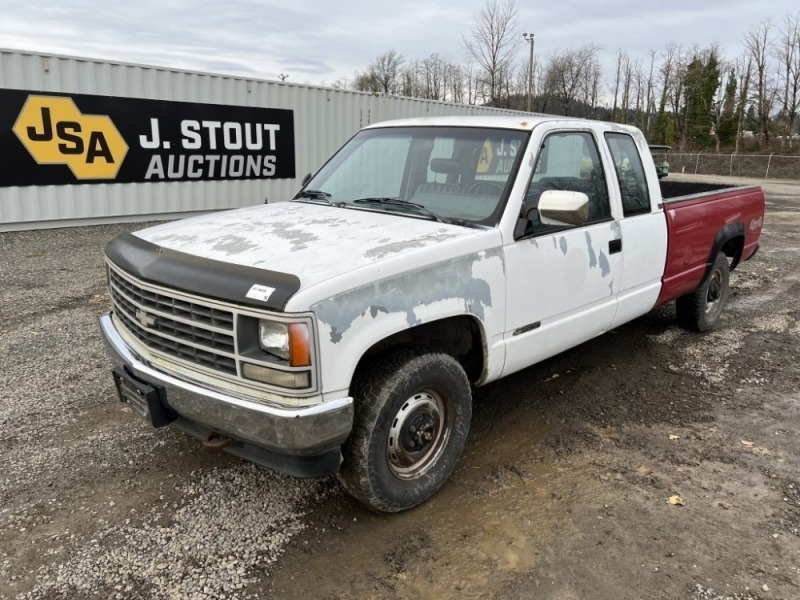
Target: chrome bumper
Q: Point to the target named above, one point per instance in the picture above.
(304, 432)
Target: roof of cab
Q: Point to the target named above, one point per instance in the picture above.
(520, 121)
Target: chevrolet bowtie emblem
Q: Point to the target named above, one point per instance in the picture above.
(145, 319)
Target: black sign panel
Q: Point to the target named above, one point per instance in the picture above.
(56, 139)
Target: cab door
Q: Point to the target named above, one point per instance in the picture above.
(562, 282)
(642, 224)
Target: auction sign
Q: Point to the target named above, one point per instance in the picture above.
(57, 139)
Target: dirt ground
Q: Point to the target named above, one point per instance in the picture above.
(563, 491)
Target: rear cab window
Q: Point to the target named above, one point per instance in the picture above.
(630, 174)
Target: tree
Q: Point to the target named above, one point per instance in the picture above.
(702, 81)
(651, 100)
(789, 57)
(759, 44)
(744, 71)
(386, 70)
(456, 82)
(592, 77)
(433, 77)
(571, 74)
(367, 82)
(639, 107)
(676, 98)
(410, 84)
(676, 101)
(669, 57)
(471, 83)
(630, 68)
(382, 74)
(490, 42)
(727, 121)
(622, 59)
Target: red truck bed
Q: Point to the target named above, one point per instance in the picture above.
(703, 220)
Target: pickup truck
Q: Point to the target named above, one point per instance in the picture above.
(343, 331)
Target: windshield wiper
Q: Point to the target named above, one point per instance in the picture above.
(314, 195)
(418, 208)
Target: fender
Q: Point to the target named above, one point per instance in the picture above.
(354, 320)
(725, 235)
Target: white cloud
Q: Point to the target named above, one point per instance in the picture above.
(322, 41)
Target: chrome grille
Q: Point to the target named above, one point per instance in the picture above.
(190, 331)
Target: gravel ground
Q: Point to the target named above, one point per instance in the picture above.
(94, 502)
(562, 492)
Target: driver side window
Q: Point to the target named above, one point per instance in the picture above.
(567, 161)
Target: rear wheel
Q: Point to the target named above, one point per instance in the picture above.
(702, 309)
(413, 411)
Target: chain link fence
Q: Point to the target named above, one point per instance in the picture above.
(760, 166)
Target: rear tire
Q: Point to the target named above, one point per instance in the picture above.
(413, 411)
(702, 309)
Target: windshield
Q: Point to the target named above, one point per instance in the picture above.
(458, 173)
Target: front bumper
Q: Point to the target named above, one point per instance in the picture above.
(304, 442)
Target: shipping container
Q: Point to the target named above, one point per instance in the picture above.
(89, 141)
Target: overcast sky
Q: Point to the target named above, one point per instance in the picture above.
(319, 42)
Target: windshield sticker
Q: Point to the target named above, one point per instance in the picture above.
(260, 292)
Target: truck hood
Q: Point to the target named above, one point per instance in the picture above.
(310, 241)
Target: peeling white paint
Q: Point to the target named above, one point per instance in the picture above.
(314, 241)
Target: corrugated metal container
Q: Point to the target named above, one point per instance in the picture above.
(323, 119)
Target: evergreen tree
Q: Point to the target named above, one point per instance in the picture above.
(751, 119)
(702, 81)
(658, 132)
(669, 130)
(728, 122)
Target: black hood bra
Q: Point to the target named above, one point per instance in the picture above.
(199, 276)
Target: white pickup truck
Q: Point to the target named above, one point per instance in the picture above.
(343, 331)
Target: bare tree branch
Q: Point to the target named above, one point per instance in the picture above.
(490, 42)
(759, 43)
(788, 54)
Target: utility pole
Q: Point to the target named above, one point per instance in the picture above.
(529, 38)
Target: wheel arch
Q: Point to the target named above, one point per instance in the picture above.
(730, 241)
(461, 336)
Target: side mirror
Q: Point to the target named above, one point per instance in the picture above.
(562, 207)
(306, 179)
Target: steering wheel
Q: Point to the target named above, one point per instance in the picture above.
(485, 188)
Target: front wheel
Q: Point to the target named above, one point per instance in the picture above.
(413, 411)
(701, 310)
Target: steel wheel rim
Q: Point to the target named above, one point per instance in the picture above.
(714, 292)
(418, 434)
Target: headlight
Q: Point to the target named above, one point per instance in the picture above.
(274, 338)
(287, 341)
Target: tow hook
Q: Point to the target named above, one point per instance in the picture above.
(217, 441)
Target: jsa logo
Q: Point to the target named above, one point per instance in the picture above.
(56, 133)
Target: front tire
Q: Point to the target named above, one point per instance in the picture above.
(413, 411)
(702, 309)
